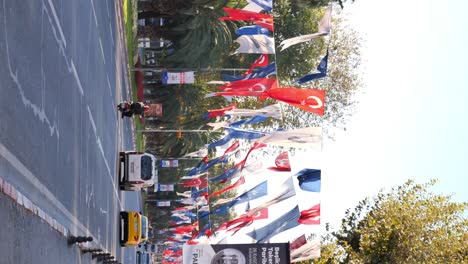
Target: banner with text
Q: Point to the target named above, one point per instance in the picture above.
(169, 163)
(272, 253)
(165, 187)
(178, 77)
(163, 203)
(154, 110)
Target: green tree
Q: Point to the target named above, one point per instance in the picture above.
(183, 108)
(409, 224)
(343, 79)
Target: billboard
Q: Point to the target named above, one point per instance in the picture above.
(169, 163)
(178, 77)
(165, 187)
(272, 253)
(154, 110)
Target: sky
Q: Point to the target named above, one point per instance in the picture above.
(412, 120)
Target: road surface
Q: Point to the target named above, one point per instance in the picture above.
(63, 71)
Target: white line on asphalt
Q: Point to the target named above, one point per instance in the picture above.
(75, 74)
(8, 156)
(38, 111)
(72, 69)
(94, 12)
(110, 87)
(108, 11)
(99, 144)
(102, 51)
(112, 34)
(54, 14)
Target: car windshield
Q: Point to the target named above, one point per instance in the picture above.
(144, 227)
(146, 167)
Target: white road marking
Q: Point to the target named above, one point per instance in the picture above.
(72, 69)
(102, 51)
(75, 74)
(108, 11)
(54, 14)
(28, 175)
(94, 12)
(52, 125)
(109, 85)
(99, 144)
(112, 34)
(37, 110)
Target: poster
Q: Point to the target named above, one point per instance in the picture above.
(163, 203)
(178, 77)
(169, 163)
(165, 187)
(154, 110)
(272, 253)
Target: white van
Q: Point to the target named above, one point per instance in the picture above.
(137, 170)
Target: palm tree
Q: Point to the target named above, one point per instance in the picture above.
(183, 109)
(203, 39)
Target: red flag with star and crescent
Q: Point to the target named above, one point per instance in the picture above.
(240, 181)
(310, 216)
(259, 62)
(282, 162)
(256, 84)
(263, 20)
(218, 112)
(310, 100)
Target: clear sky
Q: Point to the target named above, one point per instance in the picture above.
(412, 119)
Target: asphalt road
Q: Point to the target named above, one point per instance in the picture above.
(63, 72)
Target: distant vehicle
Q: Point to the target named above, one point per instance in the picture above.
(143, 258)
(148, 247)
(130, 228)
(137, 170)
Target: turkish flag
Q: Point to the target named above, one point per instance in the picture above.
(255, 146)
(203, 182)
(231, 149)
(282, 162)
(184, 208)
(310, 100)
(310, 216)
(218, 112)
(240, 181)
(184, 229)
(239, 227)
(259, 62)
(245, 219)
(191, 183)
(252, 85)
(263, 20)
(262, 214)
(297, 243)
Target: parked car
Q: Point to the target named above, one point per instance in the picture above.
(133, 228)
(137, 170)
(143, 258)
(148, 247)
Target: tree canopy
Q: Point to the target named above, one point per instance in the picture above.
(408, 224)
(343, 76)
